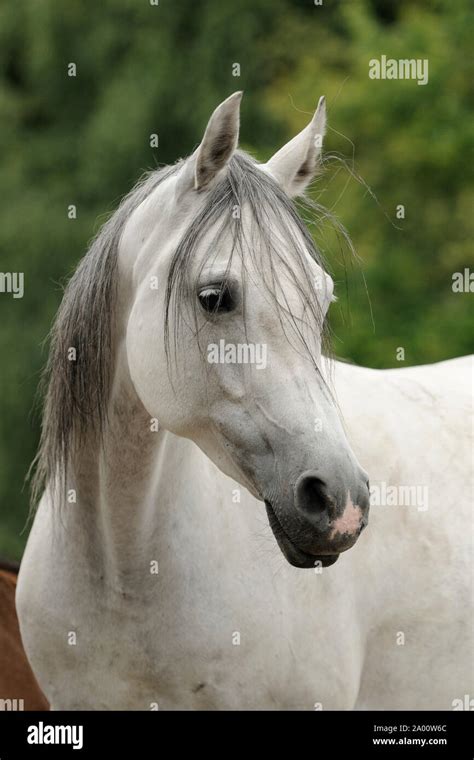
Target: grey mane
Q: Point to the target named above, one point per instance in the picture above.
(76, 392)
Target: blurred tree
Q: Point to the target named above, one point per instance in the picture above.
(413, 148)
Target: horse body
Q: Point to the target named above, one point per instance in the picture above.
(307, 638)
(152, 577)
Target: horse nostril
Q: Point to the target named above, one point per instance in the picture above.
(310, 495)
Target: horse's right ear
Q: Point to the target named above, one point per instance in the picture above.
(219, 142)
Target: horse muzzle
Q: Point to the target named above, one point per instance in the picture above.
(316, 527)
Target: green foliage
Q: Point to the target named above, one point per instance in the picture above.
(144, 69)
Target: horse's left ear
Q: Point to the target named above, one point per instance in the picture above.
(219, 141)
(295, 165)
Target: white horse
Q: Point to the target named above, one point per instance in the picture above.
(186, 390)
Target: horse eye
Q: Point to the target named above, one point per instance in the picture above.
(216, 299)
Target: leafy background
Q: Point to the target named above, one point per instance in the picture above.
(145, 69)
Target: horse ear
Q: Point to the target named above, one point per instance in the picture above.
(295, 165)
(219, 141)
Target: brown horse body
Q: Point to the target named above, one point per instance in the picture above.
(18, 686)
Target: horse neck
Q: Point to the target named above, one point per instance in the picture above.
(117, 482)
